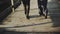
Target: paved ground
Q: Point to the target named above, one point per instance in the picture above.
(18, 22)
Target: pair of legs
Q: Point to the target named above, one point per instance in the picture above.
(26, 4)
(42, 5)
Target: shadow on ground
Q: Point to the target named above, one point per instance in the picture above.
(34, 16)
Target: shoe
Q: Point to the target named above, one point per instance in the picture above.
(27, 17)
(40, 13)
(45, 17)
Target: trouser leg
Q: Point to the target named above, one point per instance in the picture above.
(40, 8)
(26, 4)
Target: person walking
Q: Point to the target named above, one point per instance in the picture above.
(42, 5)
(26, 4)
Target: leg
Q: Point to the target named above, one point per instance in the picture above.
(28, 9)
(25, 8)
(26, 4)
(45, 9)
(41, 11)
(40, 8)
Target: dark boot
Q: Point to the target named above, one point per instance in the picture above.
(40, 13)
(27, 17)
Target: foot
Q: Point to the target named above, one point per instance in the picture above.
(45, 13)
(40, 13)
(45, 17)
(27, 17)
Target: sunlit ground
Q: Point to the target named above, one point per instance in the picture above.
(18, 22)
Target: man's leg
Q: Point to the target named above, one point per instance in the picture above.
(40, 7)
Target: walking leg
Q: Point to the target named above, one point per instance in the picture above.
(28, 9)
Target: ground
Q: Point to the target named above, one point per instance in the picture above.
(17, 21)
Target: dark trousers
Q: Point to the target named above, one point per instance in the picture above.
(43, 3)
(26, 4)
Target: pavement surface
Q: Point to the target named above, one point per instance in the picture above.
(18, 22)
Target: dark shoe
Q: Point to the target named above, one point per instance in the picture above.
(27, 17)
(40, 13)
(45, 17)
(45, 14)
